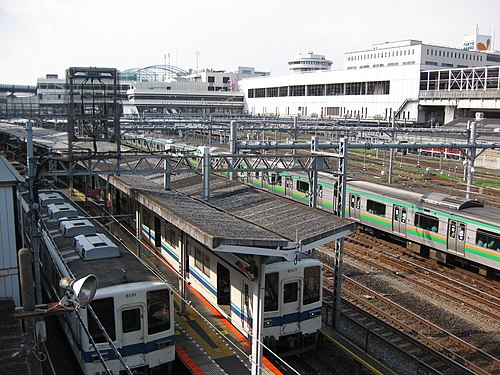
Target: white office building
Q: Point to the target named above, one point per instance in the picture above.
(380, 83)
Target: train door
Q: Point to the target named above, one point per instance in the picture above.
(291, 307)
(354, 206)
(223, 285)
(246, 307)
(288, 186)
(456, 237)
(157, 232)
(320, 196)
(133, 334)
(399, 216)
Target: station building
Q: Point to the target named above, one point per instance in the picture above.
(406, 80)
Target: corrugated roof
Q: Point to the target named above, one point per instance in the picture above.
(8, 174)
(235, 214)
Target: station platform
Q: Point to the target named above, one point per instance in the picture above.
(205, 340)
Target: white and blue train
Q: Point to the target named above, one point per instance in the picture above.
(132, 304)
(293, 290)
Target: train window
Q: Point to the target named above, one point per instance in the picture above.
(312, 287)
(202, 261)
(396, 214)
(158, 311)
(291, 292)
(375, 208)
(488, 240)
(131, 320)
(403, 215)
(271, 293)
(206, 264)
(461, 232)
(170, 234)
(105, 310)
(303, 186)
(353, 201)
(198, 262)
(426, 222)
(453, 230)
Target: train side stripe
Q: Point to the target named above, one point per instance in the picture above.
(485, 253)
(376, 219)
(425, 234)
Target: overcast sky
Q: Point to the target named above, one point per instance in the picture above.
(47, 36)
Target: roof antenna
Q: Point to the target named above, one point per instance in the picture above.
(124, 274)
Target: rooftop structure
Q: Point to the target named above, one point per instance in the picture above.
(308, 62)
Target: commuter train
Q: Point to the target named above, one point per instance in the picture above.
(132, 304)
(450, 229)
(293, 289)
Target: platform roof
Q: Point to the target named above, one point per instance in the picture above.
(237, 217)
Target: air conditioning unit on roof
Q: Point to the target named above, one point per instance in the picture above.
(74, 227)
(95, 246)
(50, 197)
(59, 210)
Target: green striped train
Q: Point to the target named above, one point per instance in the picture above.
(452, 230)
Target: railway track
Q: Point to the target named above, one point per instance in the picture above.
(432, 281)
(457, 275)
(458, 351)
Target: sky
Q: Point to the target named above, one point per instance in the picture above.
(39, 37)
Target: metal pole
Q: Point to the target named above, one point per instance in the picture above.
(258, 317)
(183, 271)
(339, 245)
(314, 174)
(233, 138)
(166, 174)
(206, 173)
(35, 237)
(471, 157)
(28, 296)
(391, 151)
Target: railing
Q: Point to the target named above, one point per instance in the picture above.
(457, 94)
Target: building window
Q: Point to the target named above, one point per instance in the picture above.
(298, 90)
(225, 79)
(316, 90)
(272, 92)
(211, 79)
(283, 91)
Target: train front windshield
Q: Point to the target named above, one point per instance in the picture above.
(312, 284)
(158, 311)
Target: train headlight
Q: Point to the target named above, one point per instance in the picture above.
(314, 314)
(268, 323)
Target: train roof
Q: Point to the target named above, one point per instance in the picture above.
(385, 190)
(122, 269)
(236, 214)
